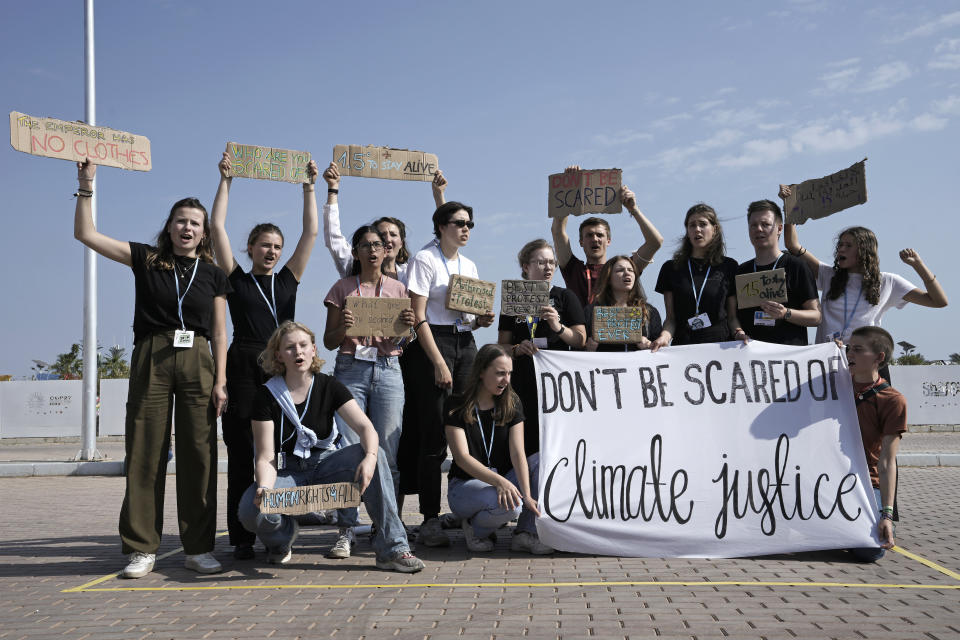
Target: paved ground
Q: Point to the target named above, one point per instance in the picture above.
(59, 546)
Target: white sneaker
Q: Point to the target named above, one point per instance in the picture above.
(139, 564)
(203, 563)
(282, 555)
(341, 548)
(530, 543)
(475, 544)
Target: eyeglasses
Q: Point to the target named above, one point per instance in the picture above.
(370, 246)
(462, 223)
(544, 263)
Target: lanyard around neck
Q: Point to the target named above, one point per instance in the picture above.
(376, 290)
(176, 283)
(847, 319)
(698, 296)
(443, 259)
(302, 416)
(272, 302)
(488, 449)
(771, 268)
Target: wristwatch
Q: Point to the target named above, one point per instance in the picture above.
(787, 315)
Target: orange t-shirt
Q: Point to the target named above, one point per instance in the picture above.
(883, 414)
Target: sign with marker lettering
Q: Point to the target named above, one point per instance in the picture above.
(470, 295)
(713, 450)
(296, 501)
(384, 162)
(267, 163)
(76, 141)
(377, 317)
(585, 191)
(523, 297)
(821, 197)
(619, 325)
(754, 288)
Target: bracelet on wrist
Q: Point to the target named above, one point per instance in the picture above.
(332, 190)
(886, 516)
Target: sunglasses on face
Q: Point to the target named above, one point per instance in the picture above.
(462, 223)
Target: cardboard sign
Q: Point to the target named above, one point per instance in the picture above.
(579, 192)
(296, 501)
(384, 162)
(267, 163)
(754, 288)
(470, 295)
(523, 297)
(821, 197)
(76, 141)
(377, 317)
(620, 325)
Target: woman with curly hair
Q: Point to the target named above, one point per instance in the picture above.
(699, 294)
(619, 286)
(855, 292)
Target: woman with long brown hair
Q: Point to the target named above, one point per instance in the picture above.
(619, 286)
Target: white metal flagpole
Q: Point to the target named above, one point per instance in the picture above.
(90, 372)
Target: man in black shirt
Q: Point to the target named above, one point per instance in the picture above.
(773, 321)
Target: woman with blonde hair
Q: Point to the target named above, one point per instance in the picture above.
(296, 408)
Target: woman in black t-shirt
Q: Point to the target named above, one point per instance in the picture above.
(619, 286)
(698, 286)
(179, 314)
(558, 326)
(485, 433)
(296, 409)
(261, 299)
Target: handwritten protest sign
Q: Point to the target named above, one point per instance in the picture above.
(618, 324)
(314, 497)
(267, 163)
(586, 191)
(384, 162)
(523, 297)
(470, 295)
(701, 451)
(76, 141)
(377, 317)
(820, 197)
(754, 288)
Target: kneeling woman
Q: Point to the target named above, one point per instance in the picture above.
(296, 408)
(485, 434)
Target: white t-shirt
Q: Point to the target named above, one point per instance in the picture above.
(429, 274)
(859, 312)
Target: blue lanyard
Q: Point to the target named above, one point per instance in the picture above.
(443, 259)
(771, 268)
(273, 297)
(376, 290)
(176, 283)
(848, 319)
(302, 416)
(698, 296)
(487, 449)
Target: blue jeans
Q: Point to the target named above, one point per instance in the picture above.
(324, 467)
(378, 389)
(870, 554)
(476, 501)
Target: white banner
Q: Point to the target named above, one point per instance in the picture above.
(715, 450)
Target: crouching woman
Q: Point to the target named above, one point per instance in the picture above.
(485, 434)
(295, 440)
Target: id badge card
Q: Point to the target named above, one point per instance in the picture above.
(182, 339)
(367, 354)
(540, 343)
(281, 461)
(461, 325)
(701, 321)
(761, 318)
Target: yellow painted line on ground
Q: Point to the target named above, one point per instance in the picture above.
(528, 585)
(929, 563)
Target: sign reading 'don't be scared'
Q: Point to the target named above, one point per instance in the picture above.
(76, 141)
(470, 295)
(584, 191)
(267, 163)
(754, 288)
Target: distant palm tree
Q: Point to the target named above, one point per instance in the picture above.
(114, 365)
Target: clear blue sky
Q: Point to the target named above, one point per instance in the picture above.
(714, 102)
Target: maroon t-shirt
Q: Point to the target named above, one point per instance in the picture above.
(581, 278)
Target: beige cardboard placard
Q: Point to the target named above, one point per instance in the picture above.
(470, 295)
(377, 317)
(76, 141)
(523, 297)
(268, 163)
(754, 288)
(314, 497)
(586, 191)
(384, 162)
(821, 197)
(618, 324)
